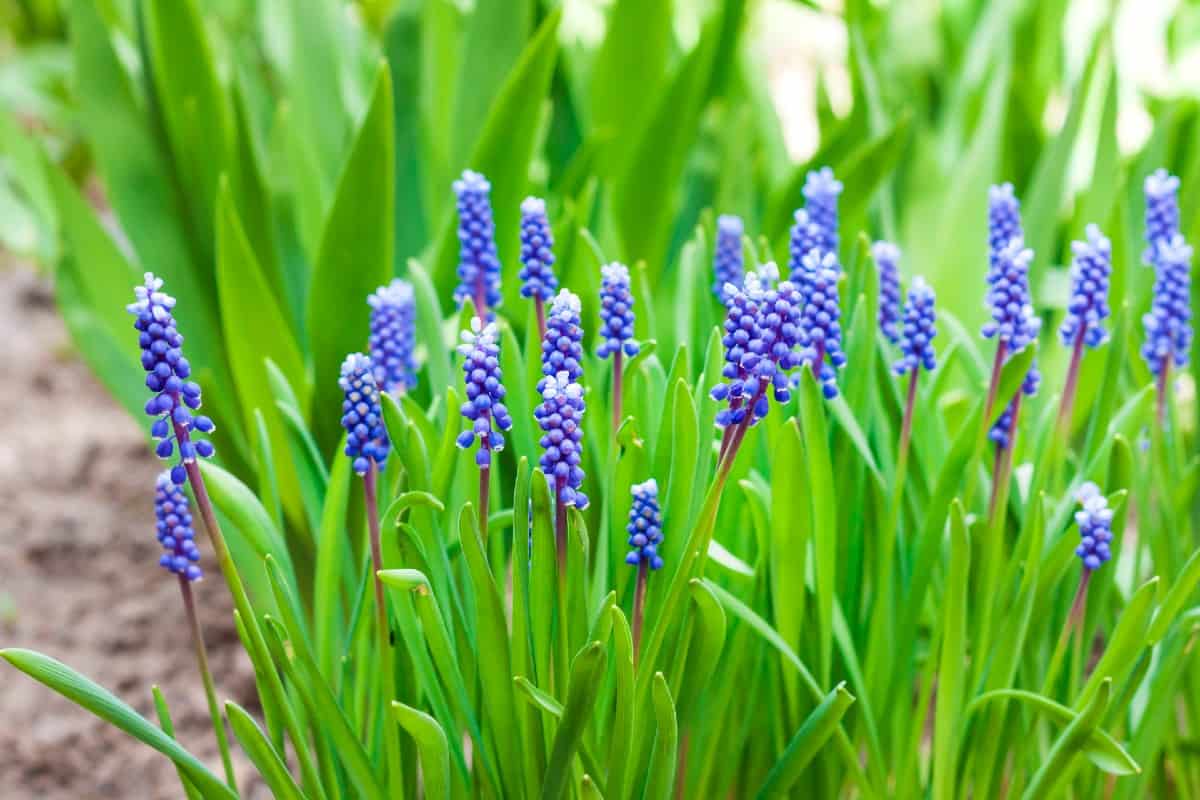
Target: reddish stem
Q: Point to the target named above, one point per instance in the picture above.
(906, 427)
(210, 691)
(639, 602)
(370, 497)
(480, 298)
(1002, 467)
(539, 305)
(1071, 387)
(994, 385)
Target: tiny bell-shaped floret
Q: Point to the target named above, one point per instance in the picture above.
(484, 406)
(393, 336)
(887, 261)
(821, 190)
(478, 262)
(645, 526)
(728, 260)
(175, 533)
(616, 312)
(1095, 527)
(562, 346)
(920, 327)
(537, 251)
(560, 416)
(1087, 308)
(366, 438)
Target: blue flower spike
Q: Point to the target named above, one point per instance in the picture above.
(887, 261)
(820, 326)
(484, 406)
(1161, 190)
(175, 533)
(362, 417)
(562, 345)
(1168, 324)
(478, 261)
(393, 336)
(805, 237)
(537, 251)
(645, 526)
(560, 416)
(167, 373)
(1004, 220)
(616, 312)
(821, 191)
(1014, 324)
(728, 260)
(920, 328)
(1095, 527)
(1087, 308)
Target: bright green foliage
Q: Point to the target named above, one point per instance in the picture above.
(833, 619)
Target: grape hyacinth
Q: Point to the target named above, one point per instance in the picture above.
(175, 532)
(821, 190)
(805, 237)
(616, 312)
(1088, 306)
(393, 336)
(1004, 220)
(478, 262)
(1168, 323)
(537, 252)
(820, 329)
(887, 260)
(1161, 190)
(366, 438)
(741, 327)
(562, 346)
(727, 255)
(560, 416)
(1095, 527)
(916, 341)
(645, 526)
(167, 376)
(1013, 323)
(484, 405)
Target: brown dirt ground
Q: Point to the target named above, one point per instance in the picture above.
(79, 578)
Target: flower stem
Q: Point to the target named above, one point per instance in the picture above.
(618, 381)
(539, 305)
(562, 663)
(480, 298)
(1160, 387)
(1071, 387)
(994, 383)
(387, 674)
(484, 496)
(1074, 620)
(639, 602)
(210, 691)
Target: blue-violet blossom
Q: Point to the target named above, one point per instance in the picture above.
(821, 190)
(1161, 190)
(1095, 527)
(478, 262)
(484, 405)
(393, 336)
(537, 251)
(560, 416)
(175, 532)
(366, 438)
(887, 261)
(820, 327)
(728, 264)
(1168, 323)
(1004, 220)
(1087, 308)
(645, 526)
(616, 312)
(562, 347)
(920, 327)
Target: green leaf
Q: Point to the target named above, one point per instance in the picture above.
(1179, 593)
(663, 765)
(98, 700)
(1101, 749)
(1053, 769)
(621, 742)
(237, 502)
(354, 258)
(1126, 642)
(429, 327)
(807, 742)
(262, 753)
(164, 720)
(582, 688)
(954, 652)
(431, 743)
(824, 518)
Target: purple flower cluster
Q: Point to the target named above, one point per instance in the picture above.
(920, 318)
(616, 312)
(484, 405)
(645, 526)
(887, 260)
(393, 336)
(562, 347)
(175, 533)
(167, 373)
(1095, 527)
(537, 251)
(820, 326)
(1088, 306)
(1168, 324)
(366, 438)
(1013, 322)
(821, 190)
(560, 416)
(805, 237)
(1161, 190)
(1004, 220)
(478, 263)
(762, 332)
(728, 264)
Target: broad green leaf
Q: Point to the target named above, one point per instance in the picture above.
(807, 742)
(355, 257)
(663, 762)
(98, 700)
(1054, 768)
(260, 750)
(164, 720)
(431, 743)
(582, 687)
(954, 646)
(823, 490)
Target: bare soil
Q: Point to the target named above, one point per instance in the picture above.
(79, 576)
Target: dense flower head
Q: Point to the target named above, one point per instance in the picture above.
(393, 336)
(560, 416)
(366, 438)
(920, 327)
(175, 532)
(562, 346)
(762, 332)
(484, 405)
(1161, 190)
(1008, 298)
(478, 262)
(820, 326)
(805, 237)
(1168, 324)
(1088, 306)
(616, 312)
(1004, 220)
(1095, 527)
(537, 251)
(167, 373)
(887, 260)
(821, 190)
(645, 526)
(728, 266)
